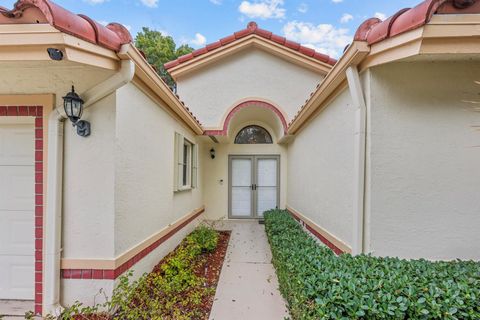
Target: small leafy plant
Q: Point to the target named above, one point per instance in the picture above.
(174, 290)
(320, 285)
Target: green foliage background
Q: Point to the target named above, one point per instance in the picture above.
(160, 49)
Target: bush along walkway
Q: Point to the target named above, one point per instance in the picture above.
(317, 284)
(182, 286)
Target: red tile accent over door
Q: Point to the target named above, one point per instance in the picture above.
(37, 112)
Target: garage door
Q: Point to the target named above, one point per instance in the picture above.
(17, 211)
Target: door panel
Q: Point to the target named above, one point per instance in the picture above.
(241, 191)
(266, 199)
(267, 185)
(17, 211)
(254, 185)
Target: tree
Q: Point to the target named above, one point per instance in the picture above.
(160, 49)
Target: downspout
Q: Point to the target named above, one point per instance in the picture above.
(358, 98)
(53, 226)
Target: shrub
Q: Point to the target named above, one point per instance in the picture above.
(205, 237)
(172, 291)
(317, 284)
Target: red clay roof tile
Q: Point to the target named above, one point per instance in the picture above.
(252, 28)
(374, 30)
(112, 36)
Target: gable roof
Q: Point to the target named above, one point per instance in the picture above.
(112, 36)
(236, 38)
(371, 32)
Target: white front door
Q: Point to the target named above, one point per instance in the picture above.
(253, 185)
(17, 205)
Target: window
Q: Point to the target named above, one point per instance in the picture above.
(186, 166)
(253, 135)
(187, 151)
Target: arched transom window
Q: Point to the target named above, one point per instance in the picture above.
(253, 135)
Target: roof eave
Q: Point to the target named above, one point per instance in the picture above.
(152, 80)
(355, 53)
(252, 40)
(29, 42)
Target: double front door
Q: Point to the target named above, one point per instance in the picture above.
(254, 185)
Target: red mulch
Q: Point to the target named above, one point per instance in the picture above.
(209, 269)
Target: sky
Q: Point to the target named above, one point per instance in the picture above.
(325, 25)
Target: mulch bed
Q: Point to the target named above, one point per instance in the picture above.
(208, 268)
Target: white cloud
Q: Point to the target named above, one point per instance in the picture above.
(264, 9)
(337, 1)
(324, 38)
(302, 8)
(94, 2)
(346, 17)
(217, 2)
(150, 3)
(380, 15)
(199, 40)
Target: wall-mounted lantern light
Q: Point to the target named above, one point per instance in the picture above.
(73, 105)
(212, 153)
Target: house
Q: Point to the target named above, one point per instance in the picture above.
(375, 153)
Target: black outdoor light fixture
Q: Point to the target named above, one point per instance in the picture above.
(73, 105)
(212, 153)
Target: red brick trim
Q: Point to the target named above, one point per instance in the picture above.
(334, 248)
(37, 112)
(113, 274)
(246, 104)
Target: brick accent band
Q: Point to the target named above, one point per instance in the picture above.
(37, 113)
(112, 274)
(317, 234)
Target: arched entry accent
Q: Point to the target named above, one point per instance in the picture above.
(243, 105)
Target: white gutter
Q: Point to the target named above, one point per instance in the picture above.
(53, 225)
(358, 98)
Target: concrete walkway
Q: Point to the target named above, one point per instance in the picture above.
(248, 286)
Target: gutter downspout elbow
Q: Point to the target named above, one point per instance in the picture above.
(123, 76)
(358, 98)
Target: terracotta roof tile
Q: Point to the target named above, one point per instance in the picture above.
(252, 28)
(112, 36)
(374, 30)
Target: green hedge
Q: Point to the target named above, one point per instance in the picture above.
(317, 284)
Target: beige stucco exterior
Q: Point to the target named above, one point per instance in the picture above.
(144, 197)
(419, 167)
(423, 160)
(320, 169)
(249, 74)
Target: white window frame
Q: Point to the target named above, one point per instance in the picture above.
(186, 181)
(190, 162)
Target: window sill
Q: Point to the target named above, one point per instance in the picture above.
(184, 188)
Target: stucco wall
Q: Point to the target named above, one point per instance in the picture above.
(144, 199)
(88, 202)
(210, 91)
(320, 169)
(424, 161)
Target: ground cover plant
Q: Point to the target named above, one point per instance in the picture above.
(181, 286)
(317, 284)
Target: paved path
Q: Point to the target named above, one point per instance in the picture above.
(248, 286)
